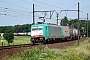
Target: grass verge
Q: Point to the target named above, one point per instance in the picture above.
(76, 52)
(17, 40)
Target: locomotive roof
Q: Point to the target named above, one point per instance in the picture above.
(47, 24)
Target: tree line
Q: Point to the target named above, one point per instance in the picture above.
(16, 28)
(64, 22)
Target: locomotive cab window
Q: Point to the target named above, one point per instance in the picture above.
(36, 28)
(33, 29)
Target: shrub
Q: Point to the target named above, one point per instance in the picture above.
(9, 36)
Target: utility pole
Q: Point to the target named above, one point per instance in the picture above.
(87, 25)
(78, 20)
(78, 24)
(51, 13)
(57, 17)
(33, 15)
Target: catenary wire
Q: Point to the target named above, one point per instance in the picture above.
(15, 5)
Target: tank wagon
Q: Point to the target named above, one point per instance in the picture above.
(48, 33)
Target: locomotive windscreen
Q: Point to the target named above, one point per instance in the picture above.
(36, 28)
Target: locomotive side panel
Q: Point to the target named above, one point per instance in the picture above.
(54, 32)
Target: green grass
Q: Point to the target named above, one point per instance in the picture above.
(17, 40)
(76, 52)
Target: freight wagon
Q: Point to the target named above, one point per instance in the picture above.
(48, 33)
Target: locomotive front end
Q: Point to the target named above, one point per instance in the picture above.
(37, 34)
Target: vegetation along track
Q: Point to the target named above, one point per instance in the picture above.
(10, 50)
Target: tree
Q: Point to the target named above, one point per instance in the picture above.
(73, 23)
(9, 36)
(64, 22)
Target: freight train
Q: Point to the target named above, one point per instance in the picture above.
(48, 33)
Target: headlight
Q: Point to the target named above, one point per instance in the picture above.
(32, 39)
(41, 38)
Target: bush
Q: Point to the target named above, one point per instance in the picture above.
(9, 36)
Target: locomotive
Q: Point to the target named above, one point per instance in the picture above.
(48, 33)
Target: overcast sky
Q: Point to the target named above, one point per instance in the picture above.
(13, 12)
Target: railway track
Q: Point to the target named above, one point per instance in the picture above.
(15, 46)
(10, 50)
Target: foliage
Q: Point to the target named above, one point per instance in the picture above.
(64, 21)
(4, 28)
(22, 28)
(78, 52)
(16, 28)
(89, 28)
(73, 23)
(9, 36)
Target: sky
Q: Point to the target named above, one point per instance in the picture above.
(13, 12)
